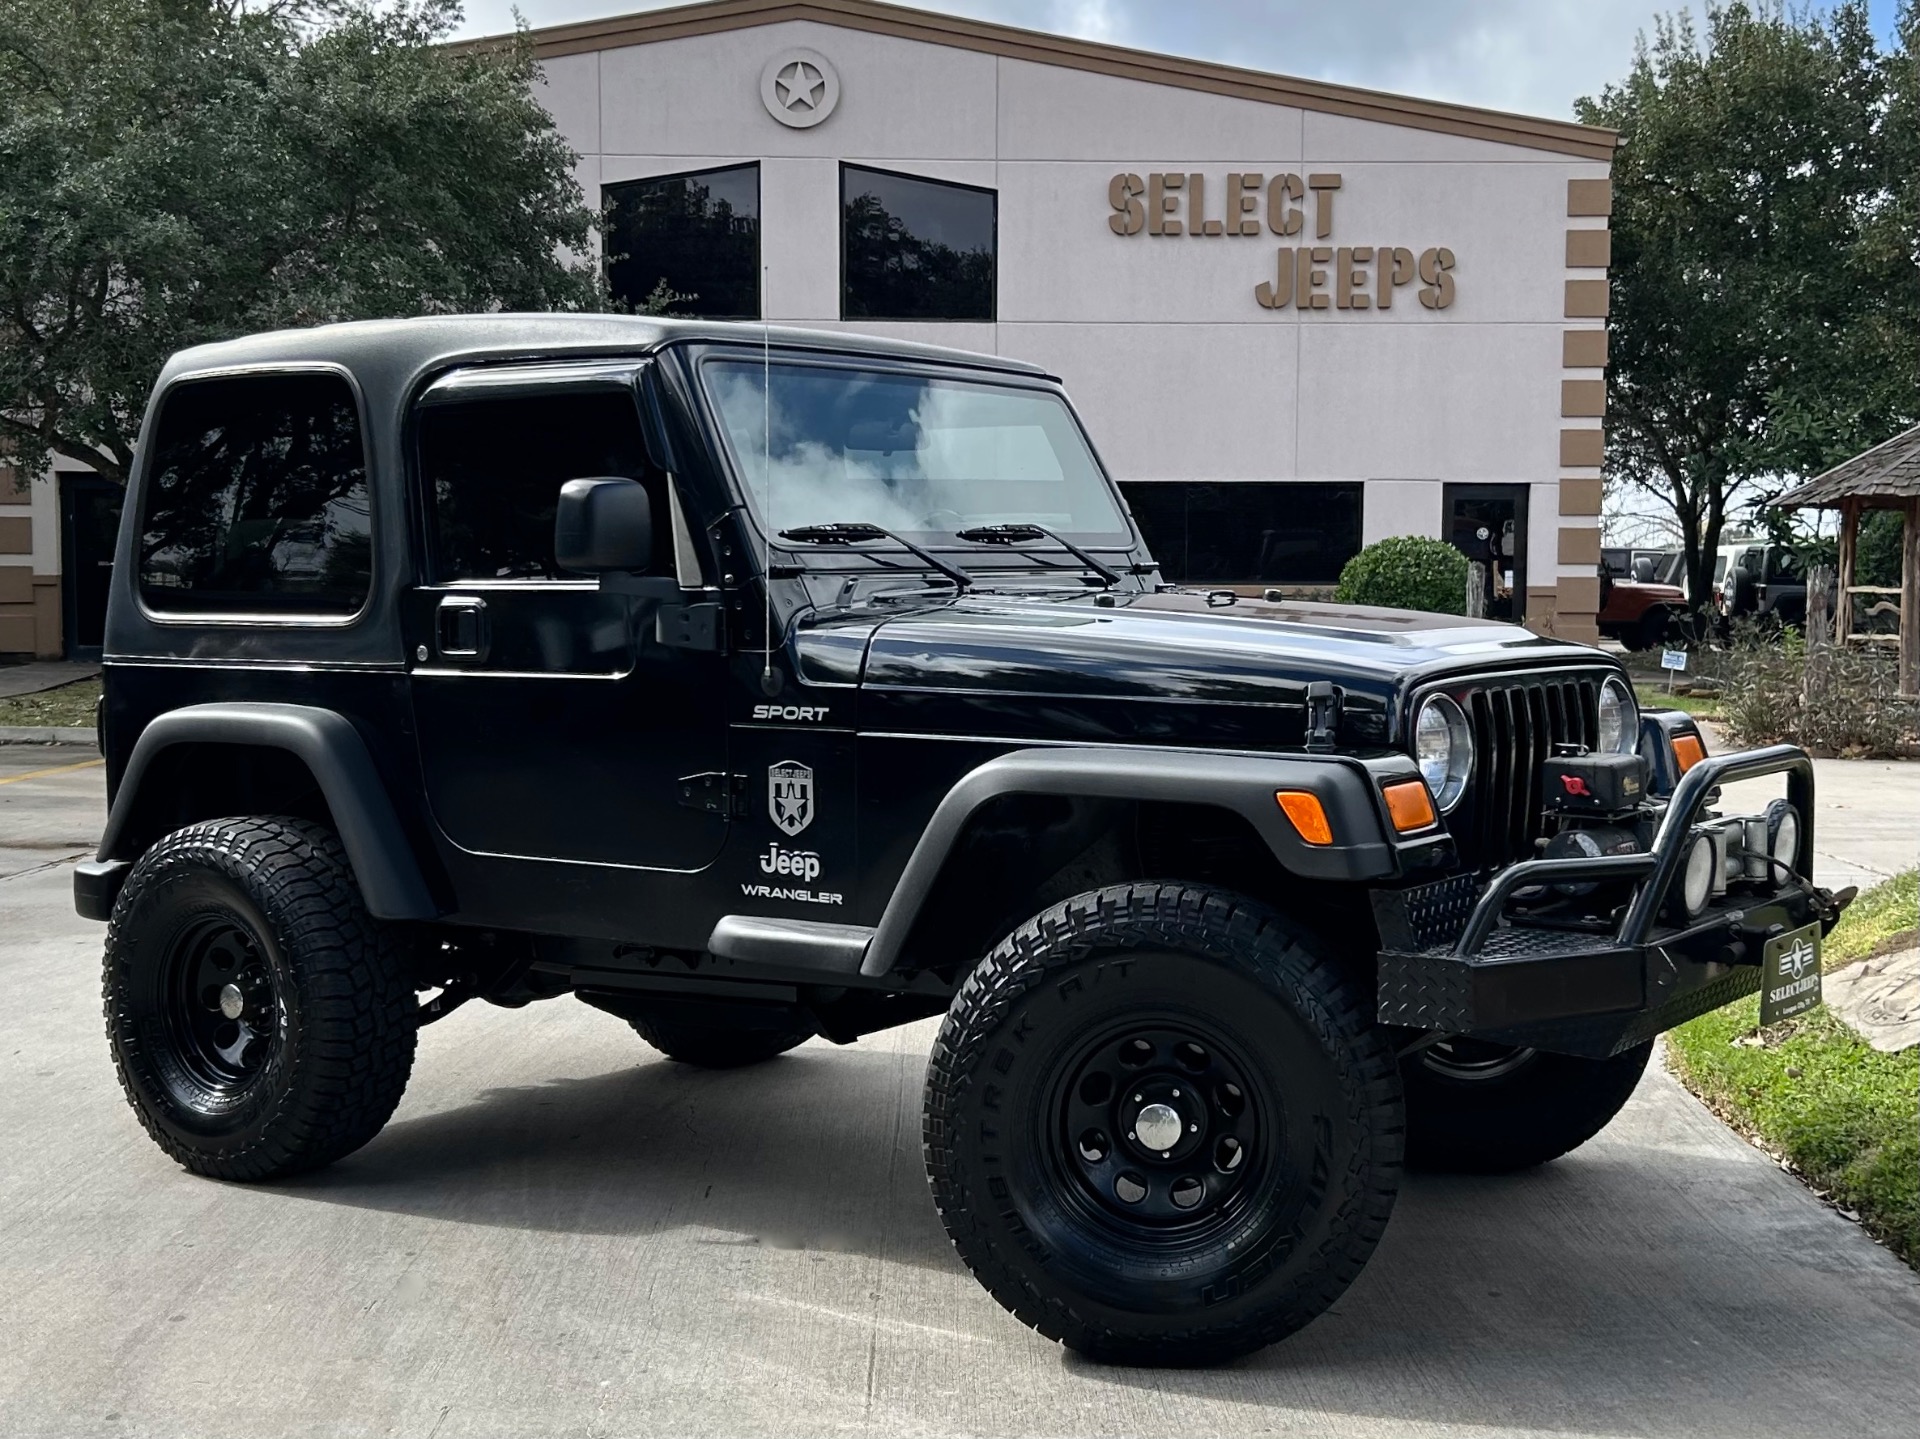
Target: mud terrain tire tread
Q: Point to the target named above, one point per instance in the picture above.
(358, 1021)
(1229, 929)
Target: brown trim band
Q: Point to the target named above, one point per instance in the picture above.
(718, 16)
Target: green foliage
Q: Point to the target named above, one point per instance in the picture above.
(1406, 572)
(1876, 554)
(177, 171)
(1765, 295)
(1810, 1090)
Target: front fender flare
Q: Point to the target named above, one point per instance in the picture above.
(332, 750)
(1347, 788)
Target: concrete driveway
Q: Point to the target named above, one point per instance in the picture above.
(562, 1234)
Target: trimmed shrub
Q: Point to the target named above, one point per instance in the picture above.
(1406, 572)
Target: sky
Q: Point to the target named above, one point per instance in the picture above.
(1531, 56)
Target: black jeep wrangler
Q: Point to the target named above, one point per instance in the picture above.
(755, 685)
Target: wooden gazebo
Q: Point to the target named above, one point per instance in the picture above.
(1886, 477)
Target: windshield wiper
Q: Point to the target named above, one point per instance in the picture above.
(845, 532)
(1010, 534)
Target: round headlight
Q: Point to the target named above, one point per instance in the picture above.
(1443, 748)
(1619, 718)
(1783, 835)
(1696, 878)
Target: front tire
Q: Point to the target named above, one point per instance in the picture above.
(1480, 1108)
(1160, 1126)
(261, 1022)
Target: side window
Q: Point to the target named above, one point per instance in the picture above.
(256, 499)
(492, 470)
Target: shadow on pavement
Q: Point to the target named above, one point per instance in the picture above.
(814, 1150)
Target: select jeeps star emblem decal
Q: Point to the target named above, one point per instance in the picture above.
(799, 88)
(790, 796)
(1797, 961)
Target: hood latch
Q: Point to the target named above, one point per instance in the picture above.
(1323, 714)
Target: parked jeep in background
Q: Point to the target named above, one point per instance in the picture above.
(1637, 612)
(751, 685)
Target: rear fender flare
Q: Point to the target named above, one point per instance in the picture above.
(325, 741)
(1244, 784)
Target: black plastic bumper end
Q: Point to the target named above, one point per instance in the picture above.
(96, 884)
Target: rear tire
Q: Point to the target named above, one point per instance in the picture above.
(1151, 1015)
(1477, 1108)
(262, 1023)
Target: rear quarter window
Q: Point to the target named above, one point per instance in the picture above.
(256, 499)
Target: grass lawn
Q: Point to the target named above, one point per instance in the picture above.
(69, 706)
(1654, 696)
(1810, 1091)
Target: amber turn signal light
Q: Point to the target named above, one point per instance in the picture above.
(1688, 750)
(1307, 814)
(1409, 805)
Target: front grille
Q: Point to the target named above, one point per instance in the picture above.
(1515, 725)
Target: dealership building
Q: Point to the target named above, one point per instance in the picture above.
(1297, 316)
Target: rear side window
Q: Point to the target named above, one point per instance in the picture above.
(256, 499)
(493, 468)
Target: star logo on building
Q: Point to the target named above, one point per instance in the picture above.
(800, 84)
(799, 88)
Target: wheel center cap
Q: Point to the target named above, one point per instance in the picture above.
(1159, 1126)
(233, 1003)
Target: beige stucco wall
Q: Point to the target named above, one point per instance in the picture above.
(1180, 372)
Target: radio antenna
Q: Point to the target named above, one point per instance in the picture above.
(766, 488)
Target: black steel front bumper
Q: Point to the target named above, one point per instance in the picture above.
(1454, 959)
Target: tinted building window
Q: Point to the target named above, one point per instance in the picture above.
(692, 241)
(256, 499)
(493, 470)
(1248, 533)
(914, 249)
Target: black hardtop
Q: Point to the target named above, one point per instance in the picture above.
(393, 353)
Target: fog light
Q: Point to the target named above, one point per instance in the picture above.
(1697, 872)
(1783, 835)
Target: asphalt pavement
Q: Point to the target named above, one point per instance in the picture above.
(562, 1234)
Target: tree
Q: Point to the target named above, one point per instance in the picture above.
(176, 171)
(1766, 277)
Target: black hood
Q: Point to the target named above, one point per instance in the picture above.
(1171, 667)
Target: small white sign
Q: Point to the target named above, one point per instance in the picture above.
(1673, 659)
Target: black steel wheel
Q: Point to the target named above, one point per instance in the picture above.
(1161, 1127)
(1477, 1107)
(261, 1021)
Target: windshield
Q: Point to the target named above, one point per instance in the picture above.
(919, 456)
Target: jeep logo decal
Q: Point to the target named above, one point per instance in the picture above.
(790, 796)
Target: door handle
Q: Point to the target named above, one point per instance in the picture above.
(460, 627)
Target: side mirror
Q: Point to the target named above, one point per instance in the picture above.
(602, 525)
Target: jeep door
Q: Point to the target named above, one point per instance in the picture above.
(553, 725)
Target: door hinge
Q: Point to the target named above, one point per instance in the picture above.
(691, 627)
(717, 792)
